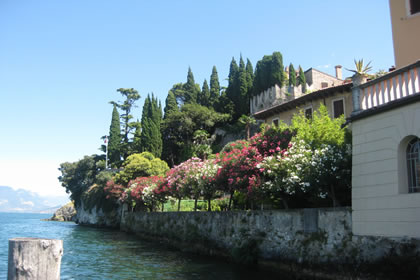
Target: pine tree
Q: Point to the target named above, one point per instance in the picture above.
(214, 87)
(302, 79)
(114, 143)
(204, 97)
(191, 89)
(292, 76)
(131, 96)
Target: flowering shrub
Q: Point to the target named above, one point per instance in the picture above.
(181, 180)
(331, 172)
(285, 174)
(141, 191)
(114, 190)
(320, 173)
(272, 140)
(207, 181)
(238, 170)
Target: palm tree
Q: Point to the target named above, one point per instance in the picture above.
(247, 121)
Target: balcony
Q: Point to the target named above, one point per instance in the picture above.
(391, 87)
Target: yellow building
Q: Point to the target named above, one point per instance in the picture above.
(405, 19)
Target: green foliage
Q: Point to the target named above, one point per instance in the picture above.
(249, 76)
(292, 76)
(114, 143)
(191, 89)
(131, 96)
(151, 138)
(247, 121)
(276, 69)
(214, 87)
(136, 144)
(319, 130)
(302, 79)
(361, 69)
(78, 176)
(268, 72)
(204, 97)
(170, 104)
(140, 165)
(240, 84)
(202, 144)
(179, 128)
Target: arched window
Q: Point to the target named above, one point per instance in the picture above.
(413, 165)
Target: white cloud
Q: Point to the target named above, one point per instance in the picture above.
(29, 203)
(323, 66)
(39, 176)
(3, 201)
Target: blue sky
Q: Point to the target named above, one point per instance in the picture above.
(62, 61)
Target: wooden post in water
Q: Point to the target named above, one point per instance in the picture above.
(34, 258)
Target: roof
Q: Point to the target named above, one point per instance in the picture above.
(385, 107)
(292, 104)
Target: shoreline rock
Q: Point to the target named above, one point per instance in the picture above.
(67, 213)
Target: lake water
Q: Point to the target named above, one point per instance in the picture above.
(91, 253)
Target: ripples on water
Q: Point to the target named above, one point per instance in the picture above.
(91, 253)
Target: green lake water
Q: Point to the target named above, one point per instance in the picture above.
(91, 253)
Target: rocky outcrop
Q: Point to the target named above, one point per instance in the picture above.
(97, 217)
(66, 213)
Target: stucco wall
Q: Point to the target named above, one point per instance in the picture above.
(381, 204)
(315, 78)
(286, 116)
(405, 33)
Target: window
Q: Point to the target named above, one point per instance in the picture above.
(275, 122)
(308, 113)
(414, 7)
(413, 165)
(324, 84)
(338, 108)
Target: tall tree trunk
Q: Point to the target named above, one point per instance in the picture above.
(163, 206)
(285, 205)
(230, 201)
(195, 204)
(333, 197)
(209, 205)
(179, 205)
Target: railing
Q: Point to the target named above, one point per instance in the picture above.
(395, 85)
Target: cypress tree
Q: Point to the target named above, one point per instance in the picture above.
(232, 91)
(241, 101)
(276, 69)
(114, 144)
(302, 79)
(204, 99)
(170, 104)
(292, 75)
(249, 76)
(136, 146)
(214, 87)
(191, 90)
(151, 138)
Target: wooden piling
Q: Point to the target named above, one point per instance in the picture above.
(34, 258)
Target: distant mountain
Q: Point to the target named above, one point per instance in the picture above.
(28, 202)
